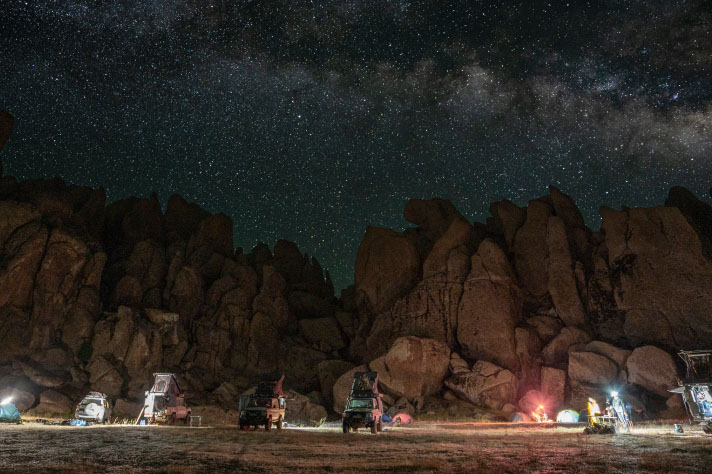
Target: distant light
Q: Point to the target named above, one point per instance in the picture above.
(567, 416)
(7, 401)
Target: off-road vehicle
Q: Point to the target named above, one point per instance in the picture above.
(165, 402)
(364, 408)
(95, 406)
(696, 390)
(265, 407)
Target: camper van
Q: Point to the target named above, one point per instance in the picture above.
(164, 403)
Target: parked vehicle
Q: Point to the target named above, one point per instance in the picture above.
(95, 406)
(364, 408)
(696, 390)
(264, 407)
(165, 402)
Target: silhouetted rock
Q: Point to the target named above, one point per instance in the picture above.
(387, 266)
(490, 309)
(659, 276)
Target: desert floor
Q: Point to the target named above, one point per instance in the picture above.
(432, 447)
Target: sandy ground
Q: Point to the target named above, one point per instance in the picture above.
(446, 448)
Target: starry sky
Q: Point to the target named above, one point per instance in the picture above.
(310, 120)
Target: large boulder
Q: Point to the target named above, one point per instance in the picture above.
(387, 266)
(508, 218)
(413, 367)
(661, 277)
(616, 354)
(103, 377)
(561, 278)
(557, 351)
(490, 309)
(429, 310)
(487, 385)
(653, 369)
(54, 403)
(458, 235)
(530, 249)
(591, 368)
(433, 216)
(553, 385)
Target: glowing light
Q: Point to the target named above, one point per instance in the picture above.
(7, 401)
(567, 416)
(614, 393)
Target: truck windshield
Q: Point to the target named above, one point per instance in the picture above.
(261, 402)
(361, 403)
(87, 401)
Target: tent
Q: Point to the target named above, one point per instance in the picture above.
(9, 413)
(568, 416)
(519, 417)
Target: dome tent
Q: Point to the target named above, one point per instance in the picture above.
(9, 413)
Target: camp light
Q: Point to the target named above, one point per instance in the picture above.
(614, 393)
(7, 401)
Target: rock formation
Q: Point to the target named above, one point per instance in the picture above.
(531, 307)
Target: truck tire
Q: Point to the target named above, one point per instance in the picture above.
(346, 427)
(374, 427)
(279, 422)
(380, 425)
(172, 419)
(268, 424)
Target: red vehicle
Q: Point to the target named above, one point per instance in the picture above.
(165, 402)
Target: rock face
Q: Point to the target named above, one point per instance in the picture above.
(663, 280)
(413, 367)
(387, 265)
(591, 368)
(530, 306)
(487, 385)
(490, 309)
(653, 369)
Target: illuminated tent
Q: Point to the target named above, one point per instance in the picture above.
(9, 413)
(567, 416)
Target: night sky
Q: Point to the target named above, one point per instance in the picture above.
(309, 120)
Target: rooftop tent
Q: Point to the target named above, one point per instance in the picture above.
(364, 385)
(9, 413)
(270, 386)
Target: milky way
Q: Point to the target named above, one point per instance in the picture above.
(310, 120)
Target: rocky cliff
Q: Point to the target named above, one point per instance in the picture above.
(530, 307)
